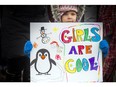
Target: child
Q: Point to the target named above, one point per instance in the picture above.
(73, 12)
(68, 13)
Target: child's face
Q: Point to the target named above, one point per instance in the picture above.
(69, 16)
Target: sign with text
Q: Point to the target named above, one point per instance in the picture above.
(66, 52)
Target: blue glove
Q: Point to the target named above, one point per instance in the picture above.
(27, 48)
(104, 46)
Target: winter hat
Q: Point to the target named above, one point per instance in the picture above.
(65, 8)
(59, 10)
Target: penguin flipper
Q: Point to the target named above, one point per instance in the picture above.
(33, 61)
(53, 61)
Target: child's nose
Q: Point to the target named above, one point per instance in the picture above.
(69, 16)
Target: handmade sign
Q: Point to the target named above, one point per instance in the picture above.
(66, 52)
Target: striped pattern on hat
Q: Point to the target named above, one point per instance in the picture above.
(64, 8)
(58, 11)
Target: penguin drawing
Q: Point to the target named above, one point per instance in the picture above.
(43, 62)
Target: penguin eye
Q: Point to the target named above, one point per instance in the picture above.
(45, 54)
(40, 54)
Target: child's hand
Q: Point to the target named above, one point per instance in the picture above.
(27, 48)
(104, 46)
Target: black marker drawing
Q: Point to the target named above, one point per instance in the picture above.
(43, 62)
(45, 38)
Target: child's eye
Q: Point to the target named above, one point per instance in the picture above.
(66, 14)
(73, 14)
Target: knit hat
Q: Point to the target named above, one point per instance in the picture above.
(59, 10)
(64, 8)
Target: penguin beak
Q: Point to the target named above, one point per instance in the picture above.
(42, 57)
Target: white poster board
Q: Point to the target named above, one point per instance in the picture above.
(66, 52)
